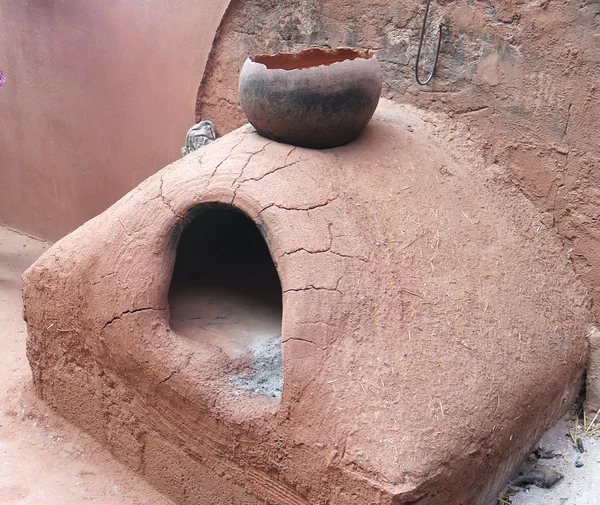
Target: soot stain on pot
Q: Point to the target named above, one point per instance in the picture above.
(353, 99)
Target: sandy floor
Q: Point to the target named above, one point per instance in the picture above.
(224, 318)
(580, 486)
(46, 461)
(43, 459)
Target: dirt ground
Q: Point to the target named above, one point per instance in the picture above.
(46, 461)
(43, 459)
(580, 486)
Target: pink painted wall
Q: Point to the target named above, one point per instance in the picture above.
(99, 95)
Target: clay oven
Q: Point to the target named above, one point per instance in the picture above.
(431, 327)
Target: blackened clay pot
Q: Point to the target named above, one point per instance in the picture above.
(314, 98)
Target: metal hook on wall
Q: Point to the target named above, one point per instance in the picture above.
(437, 52)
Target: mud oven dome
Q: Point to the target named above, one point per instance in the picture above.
(427, 336)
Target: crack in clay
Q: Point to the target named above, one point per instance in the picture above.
(309, 251)
(311, 287)
(351, 256)
(298, 340)
(102, 277)
(568, 119)
(566, 165)
(287, 156)
(320, 288)
(342, 255)
(328, 248)
(235, 184)
(225, 158)
(132, 311)
(252, 155)
(321, 251)
(277, 169)
(258, 179)
(188, 359)
(164, 199)
(307, 209)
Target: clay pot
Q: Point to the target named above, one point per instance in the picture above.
(314, 98)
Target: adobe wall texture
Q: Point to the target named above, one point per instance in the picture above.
(99, 95)
(521, 76)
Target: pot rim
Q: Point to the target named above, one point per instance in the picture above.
(290, 61)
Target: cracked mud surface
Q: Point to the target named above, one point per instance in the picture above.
(417, 291)
(45, 460)
(517, 82)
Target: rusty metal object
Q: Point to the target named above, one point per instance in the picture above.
(437, 50)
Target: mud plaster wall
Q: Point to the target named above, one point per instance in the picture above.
(517, 81)
(99, 95)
